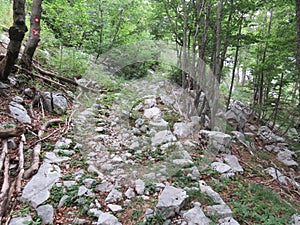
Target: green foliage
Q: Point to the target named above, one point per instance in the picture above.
(6, 12)
(257, 204)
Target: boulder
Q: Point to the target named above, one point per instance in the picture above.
(153, 113)
(227, 221)
(233, 162)
(220, 211)
(220, 167)
(195, 216)
(19, 112)
(107, 219)
(46, 212)
(237, 114)
(37, 190)
(114, 196)
(163, 137)
(287, 157)
(20, 220)
(171, 201)
(139, 187)
(55, 102)
(183, 130)
(218, 142)
(204, 188)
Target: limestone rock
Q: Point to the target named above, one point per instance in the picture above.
(227, 221)
(171, 201)
(51, 157)
(63, 143)
(220, 211)
(204, 188)
(276, 174)
(107, 219)
(296, 219)
(38, 189)
(114, 196)
(19, 112)
(139, 187)
(20, 220)
(46, 212)
(220, 167)
(183, 130)
(287, 158)
(114, 208)
(130, 193)
(233, 162)
(163, 137)
(195, 216)
(55, 102)
(218, 141)
(153, 113)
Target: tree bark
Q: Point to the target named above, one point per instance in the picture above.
(298, 46)
(34, 36)
(217, 66)
(16, 34)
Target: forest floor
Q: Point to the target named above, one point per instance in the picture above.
(108, 153)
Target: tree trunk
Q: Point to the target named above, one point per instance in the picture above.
(298, 45)
(262, 72)
(34, 36)
(235, 64)
(16, 34)
(217, 65)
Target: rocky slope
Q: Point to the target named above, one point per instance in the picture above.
(132, 157)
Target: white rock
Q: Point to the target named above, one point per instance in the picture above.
(38, 189)
(171, 201)
(114, 208)
(220, 167)
(114, 196)
(139, 187)
(195, 216)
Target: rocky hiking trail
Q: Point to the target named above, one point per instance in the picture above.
(134, 157)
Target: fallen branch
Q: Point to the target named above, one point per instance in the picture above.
(4, 195)
(12, 132)
(37, 149)
(21, 164)
(41, 77)
(3, 154)
(45, 138)
(65, 79)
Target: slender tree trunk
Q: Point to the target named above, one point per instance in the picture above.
(262, 74)
(235, 64)
(217, 65)
(34, 36)
(16, 34)
(278, 101)
(184, 47)
(298, 46)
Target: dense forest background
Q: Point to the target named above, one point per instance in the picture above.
(251, 46)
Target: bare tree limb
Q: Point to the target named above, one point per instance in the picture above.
(3, 154)
(37, 149)
(21, 164)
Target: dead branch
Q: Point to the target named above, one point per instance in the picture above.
(65, 79)
(37, 149)
(45, 138)
(3, 154)
(12, 132)
(5, 188)
(41, 77)
(21, 164)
